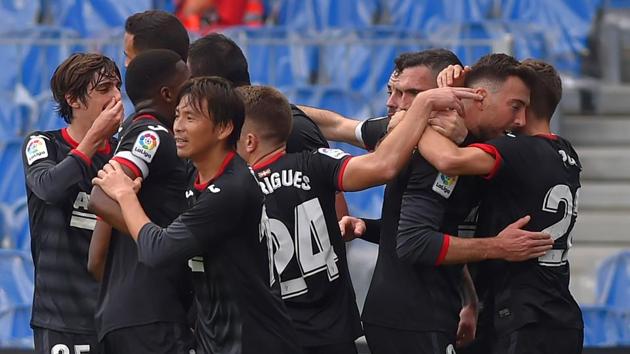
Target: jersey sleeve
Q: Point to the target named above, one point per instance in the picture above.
(206, 224)
(419, 241)
(305, 134)
(146, 149)
(46, 177)
(505, 152)
(326, 166)
(371, 131)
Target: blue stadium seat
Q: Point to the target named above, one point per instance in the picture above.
(18, 13)
(606, 326)
(6, 237)
(19, 225)
(321, 15)
(613, 281)
(16, 293)
(12, 181)
(275, 55)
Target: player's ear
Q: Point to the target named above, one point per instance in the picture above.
(251, 142)
(481, 104)
(225, 130)
(167, 94)
(73, 102)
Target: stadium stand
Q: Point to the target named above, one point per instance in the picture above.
(338, 55)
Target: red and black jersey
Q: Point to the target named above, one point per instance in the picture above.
(58, 185)
(227, 226)
(133, 293)
(537, 176)
(309, 253)
(410, 288)
(305, 134)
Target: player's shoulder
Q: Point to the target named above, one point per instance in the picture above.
(37, 145)
(329, 153)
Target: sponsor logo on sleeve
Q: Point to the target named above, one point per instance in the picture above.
(334, 153)
(146, 146)
(444, 185)
(36, 149)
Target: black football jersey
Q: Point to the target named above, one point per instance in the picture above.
(422, 208)
(305, 134)
(309, 253)
(58, 185)
(133, 293)
(228, 227)
(537, 176)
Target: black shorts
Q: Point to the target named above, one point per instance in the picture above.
(153, 338)
(341, 348)
(384, 340)
(48, 341)
(534, 339)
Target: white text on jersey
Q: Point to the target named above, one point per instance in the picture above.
(286, 178)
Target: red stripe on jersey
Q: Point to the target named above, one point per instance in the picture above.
(498, 160)
(549, 136)
(132, 166)
(201, 186)
(83, 156)
(341, 172)
(273, 158)
(446, 241)
(107, 149)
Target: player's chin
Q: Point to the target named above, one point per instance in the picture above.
(182, 152)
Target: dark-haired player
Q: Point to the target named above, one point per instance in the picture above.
(300, 191)
(142, 309)
(154, 29)
(58, 166)
(226, 224)
(533, 310)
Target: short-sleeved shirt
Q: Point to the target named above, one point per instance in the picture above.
(537, 176)
(311, 256)
(410, 288)
(58, 185)
(227, 226)
(132, 293)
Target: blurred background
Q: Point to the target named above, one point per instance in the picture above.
(338, 54)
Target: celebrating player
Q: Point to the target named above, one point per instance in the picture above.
(223, 225)
(142, 309)
(58, 166)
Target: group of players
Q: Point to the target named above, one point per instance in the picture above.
(214, 222)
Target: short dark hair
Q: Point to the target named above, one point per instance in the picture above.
(218, 55)
(148, 72)
(76, 75)
(269, 110)
(547, 89)
(498, 67)
(155, 29)
(434, 59)
(223, 104)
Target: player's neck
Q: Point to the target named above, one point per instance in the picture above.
(210, 163)
(537, 127)
(264, 154)
(78, 129)
(158, 107)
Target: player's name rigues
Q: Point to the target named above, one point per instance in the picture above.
(269, 182)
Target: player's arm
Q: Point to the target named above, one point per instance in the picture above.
(394, 151)
(452, 160)
(99, 246)
(107, 208)
(334, 126)
(467, 327)
(366, 229)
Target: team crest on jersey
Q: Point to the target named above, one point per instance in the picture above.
(146, 146)
(334, 153)
(36, 149)
(444, 185)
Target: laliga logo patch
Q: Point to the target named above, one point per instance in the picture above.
(334, 153)
(146, 146)
(450, 349)
(36, 149)
(444, 185)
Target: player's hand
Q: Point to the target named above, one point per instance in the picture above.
(351, 228)
(108, 121)
(445, 98)
(396, 119)
(449, 124)
(518, 245)
(467, 328)
(452, 76)
(114, 182)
